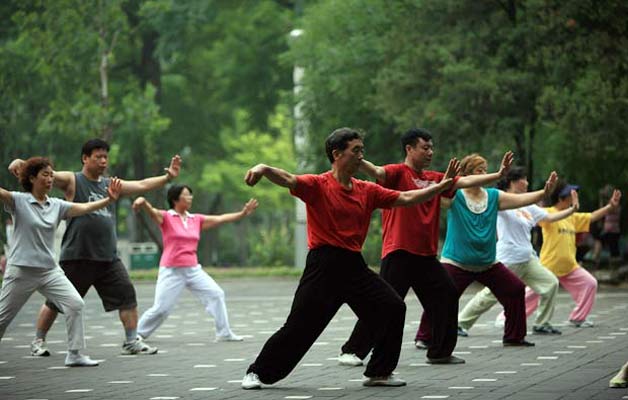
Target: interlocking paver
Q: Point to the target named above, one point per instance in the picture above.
(575, 365)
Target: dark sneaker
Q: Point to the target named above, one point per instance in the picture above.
(390, 381)
(462, 332)
(446, 360)
(517, 343)
(545, 330)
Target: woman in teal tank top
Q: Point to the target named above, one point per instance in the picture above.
(470, 248)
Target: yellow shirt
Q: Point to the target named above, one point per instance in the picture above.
(558, 253)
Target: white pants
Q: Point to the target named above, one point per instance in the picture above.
(21, 282)
(170, 283)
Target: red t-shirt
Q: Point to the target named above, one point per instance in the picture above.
(337, 216)
(414, 228)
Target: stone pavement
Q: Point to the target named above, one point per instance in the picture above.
(575, 365)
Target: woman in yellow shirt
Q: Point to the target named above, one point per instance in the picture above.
(558, 253)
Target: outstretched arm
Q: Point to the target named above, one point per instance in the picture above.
(486, 179)
(63, 180)
(130, 188)
(113, 191)
(6, 197)
(509, 201)
(276, 175)
(613, 203)
(212, 221)
(142, 204)
(557, 216)
(420, 195)
(374, 171)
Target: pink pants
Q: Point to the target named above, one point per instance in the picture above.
(582, 287)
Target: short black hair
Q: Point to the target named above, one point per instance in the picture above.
(412, 136)
(555, 196)
(93, 144)
(175, 192)
(31, 167)
(339, 139)
(513, 175)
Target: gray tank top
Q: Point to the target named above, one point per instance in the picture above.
(91, 236)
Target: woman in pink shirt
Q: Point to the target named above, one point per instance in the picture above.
(179, 267)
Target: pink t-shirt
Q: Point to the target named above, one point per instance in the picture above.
(180, 240)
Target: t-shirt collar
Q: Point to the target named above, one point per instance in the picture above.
(33, 200)
(187, 214)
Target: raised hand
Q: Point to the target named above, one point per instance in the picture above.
(254, 174)
(615, 198)
(446, 183)
(174, 168)
(249, 207)
(550, 184)
(506, 163)
(15, 167)
(453, 168)
(138, 203)
(114, 189)
(575, 201)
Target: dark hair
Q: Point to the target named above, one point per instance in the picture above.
(93, 144)
(31, 167)
(175, 192)
(513, 175)
(555, 196)
(339, 139)
(412, 136)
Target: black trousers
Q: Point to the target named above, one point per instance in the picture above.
(434, 289)
(332, 277)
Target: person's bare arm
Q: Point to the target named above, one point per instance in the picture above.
(113, 191)
(420, 195)
(142, 204)
(486, 179)
(276, 175)
(212, 221)
(509, 201)
(63, 180)
(130, 188)
(6, 197)
(613, 203)
(374, 171)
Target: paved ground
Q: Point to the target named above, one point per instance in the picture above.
(576, 365)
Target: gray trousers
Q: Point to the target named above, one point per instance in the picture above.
(21, 282)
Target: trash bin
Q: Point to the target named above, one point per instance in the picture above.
(144, 255)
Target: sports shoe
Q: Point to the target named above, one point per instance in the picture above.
(546, 329)
(138, 346)
(229, 338)
(581, 324)
(389, 380)
(39, 348)
(79, 360)
(517, 343)
(349, 360)
(421, 344)
(618, 382)
(462, 332)
(445, 360)
(251, 381)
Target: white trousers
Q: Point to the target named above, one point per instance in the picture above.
(170, 284)
(21, 282)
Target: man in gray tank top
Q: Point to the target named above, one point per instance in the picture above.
(88, 249)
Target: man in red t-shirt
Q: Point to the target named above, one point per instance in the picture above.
(410, 245)
(339, 209)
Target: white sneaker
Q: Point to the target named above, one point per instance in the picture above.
(230, 338)
(39, 348)
(581, 324)
(349, 360)
(138, 346)
(79, 360)
(389, 380)
(251, 381)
